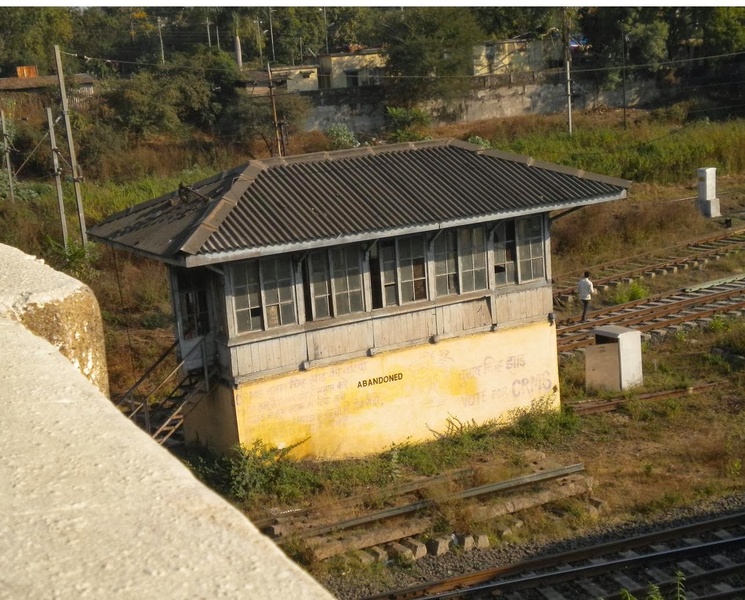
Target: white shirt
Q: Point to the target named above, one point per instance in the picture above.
(585, 289)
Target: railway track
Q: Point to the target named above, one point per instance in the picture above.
(659, 312)
(679, 256)
(706, 558)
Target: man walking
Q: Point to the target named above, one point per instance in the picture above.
(585, 290)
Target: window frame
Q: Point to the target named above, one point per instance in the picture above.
(332, 257)
(530, 244)
(420, 282)
(268, 297)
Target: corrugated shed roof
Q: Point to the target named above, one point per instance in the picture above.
(43, 81)
(281, 204)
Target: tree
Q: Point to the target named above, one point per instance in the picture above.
(430, 50)
(610, 31)
(505, 22)
(723, 30)
(28, 37)
(248, 118)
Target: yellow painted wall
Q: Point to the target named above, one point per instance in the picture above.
(336, 65)
(350, 409)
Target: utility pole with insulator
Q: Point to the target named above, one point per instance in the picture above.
(73, 161)
(6, 155)
(57, 176)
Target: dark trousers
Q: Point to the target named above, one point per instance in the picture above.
(585, 308)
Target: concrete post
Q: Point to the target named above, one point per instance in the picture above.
(708, 203)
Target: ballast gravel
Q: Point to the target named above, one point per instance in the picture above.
(350, 585)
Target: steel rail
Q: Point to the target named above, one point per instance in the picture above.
(586, 408)
(460, 582)
(399, 490)
(731, 241)
(691, 580)
(642, 313)
(621, 564)
(489, 488)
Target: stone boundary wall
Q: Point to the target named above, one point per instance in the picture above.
(363, 109)
(90, 506)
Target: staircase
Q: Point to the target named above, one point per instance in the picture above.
(162, 412)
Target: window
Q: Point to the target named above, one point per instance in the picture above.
(460, 261)
(518, 251)
(334, 283)
(353, 78)
(347, 280)
(403, 265)
(446, 257)
(263, 294)
(505, 272)
(319, 294)
(530, 248)
(472, 258)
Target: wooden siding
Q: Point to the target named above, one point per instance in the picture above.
(455, 318)
(393, 330)
(288, 351)
(385, 330)
(339, 340)
(523, 305)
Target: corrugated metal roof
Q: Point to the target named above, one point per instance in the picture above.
(279, 204)
(42, 81)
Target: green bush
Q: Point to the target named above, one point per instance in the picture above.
(542, 424)
(341, 137)
(249, 473)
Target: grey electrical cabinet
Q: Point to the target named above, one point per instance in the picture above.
(614, 363)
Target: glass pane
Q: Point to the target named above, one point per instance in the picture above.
(288, 313)
(407, 292)
(254, 298)
(479, 260)
(355, 302)
(342, 304)
(243, 320)
(271, 295)
(340, 284)
(480, 279)
(407, 272)
(442, 285)
(285, 291)
(241, 301)
(404, 249)
(355, 282)
(440, 266)
(390, 295)
(239, 276)
(322, 308)
(467, 281)
(451, 263)
(478, 237)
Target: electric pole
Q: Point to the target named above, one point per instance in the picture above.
(274, 111)
(6, 153)
(71, 146)
(623, 71)
(271, 34)
(160, 36)
(568, 60)
(57, 176)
